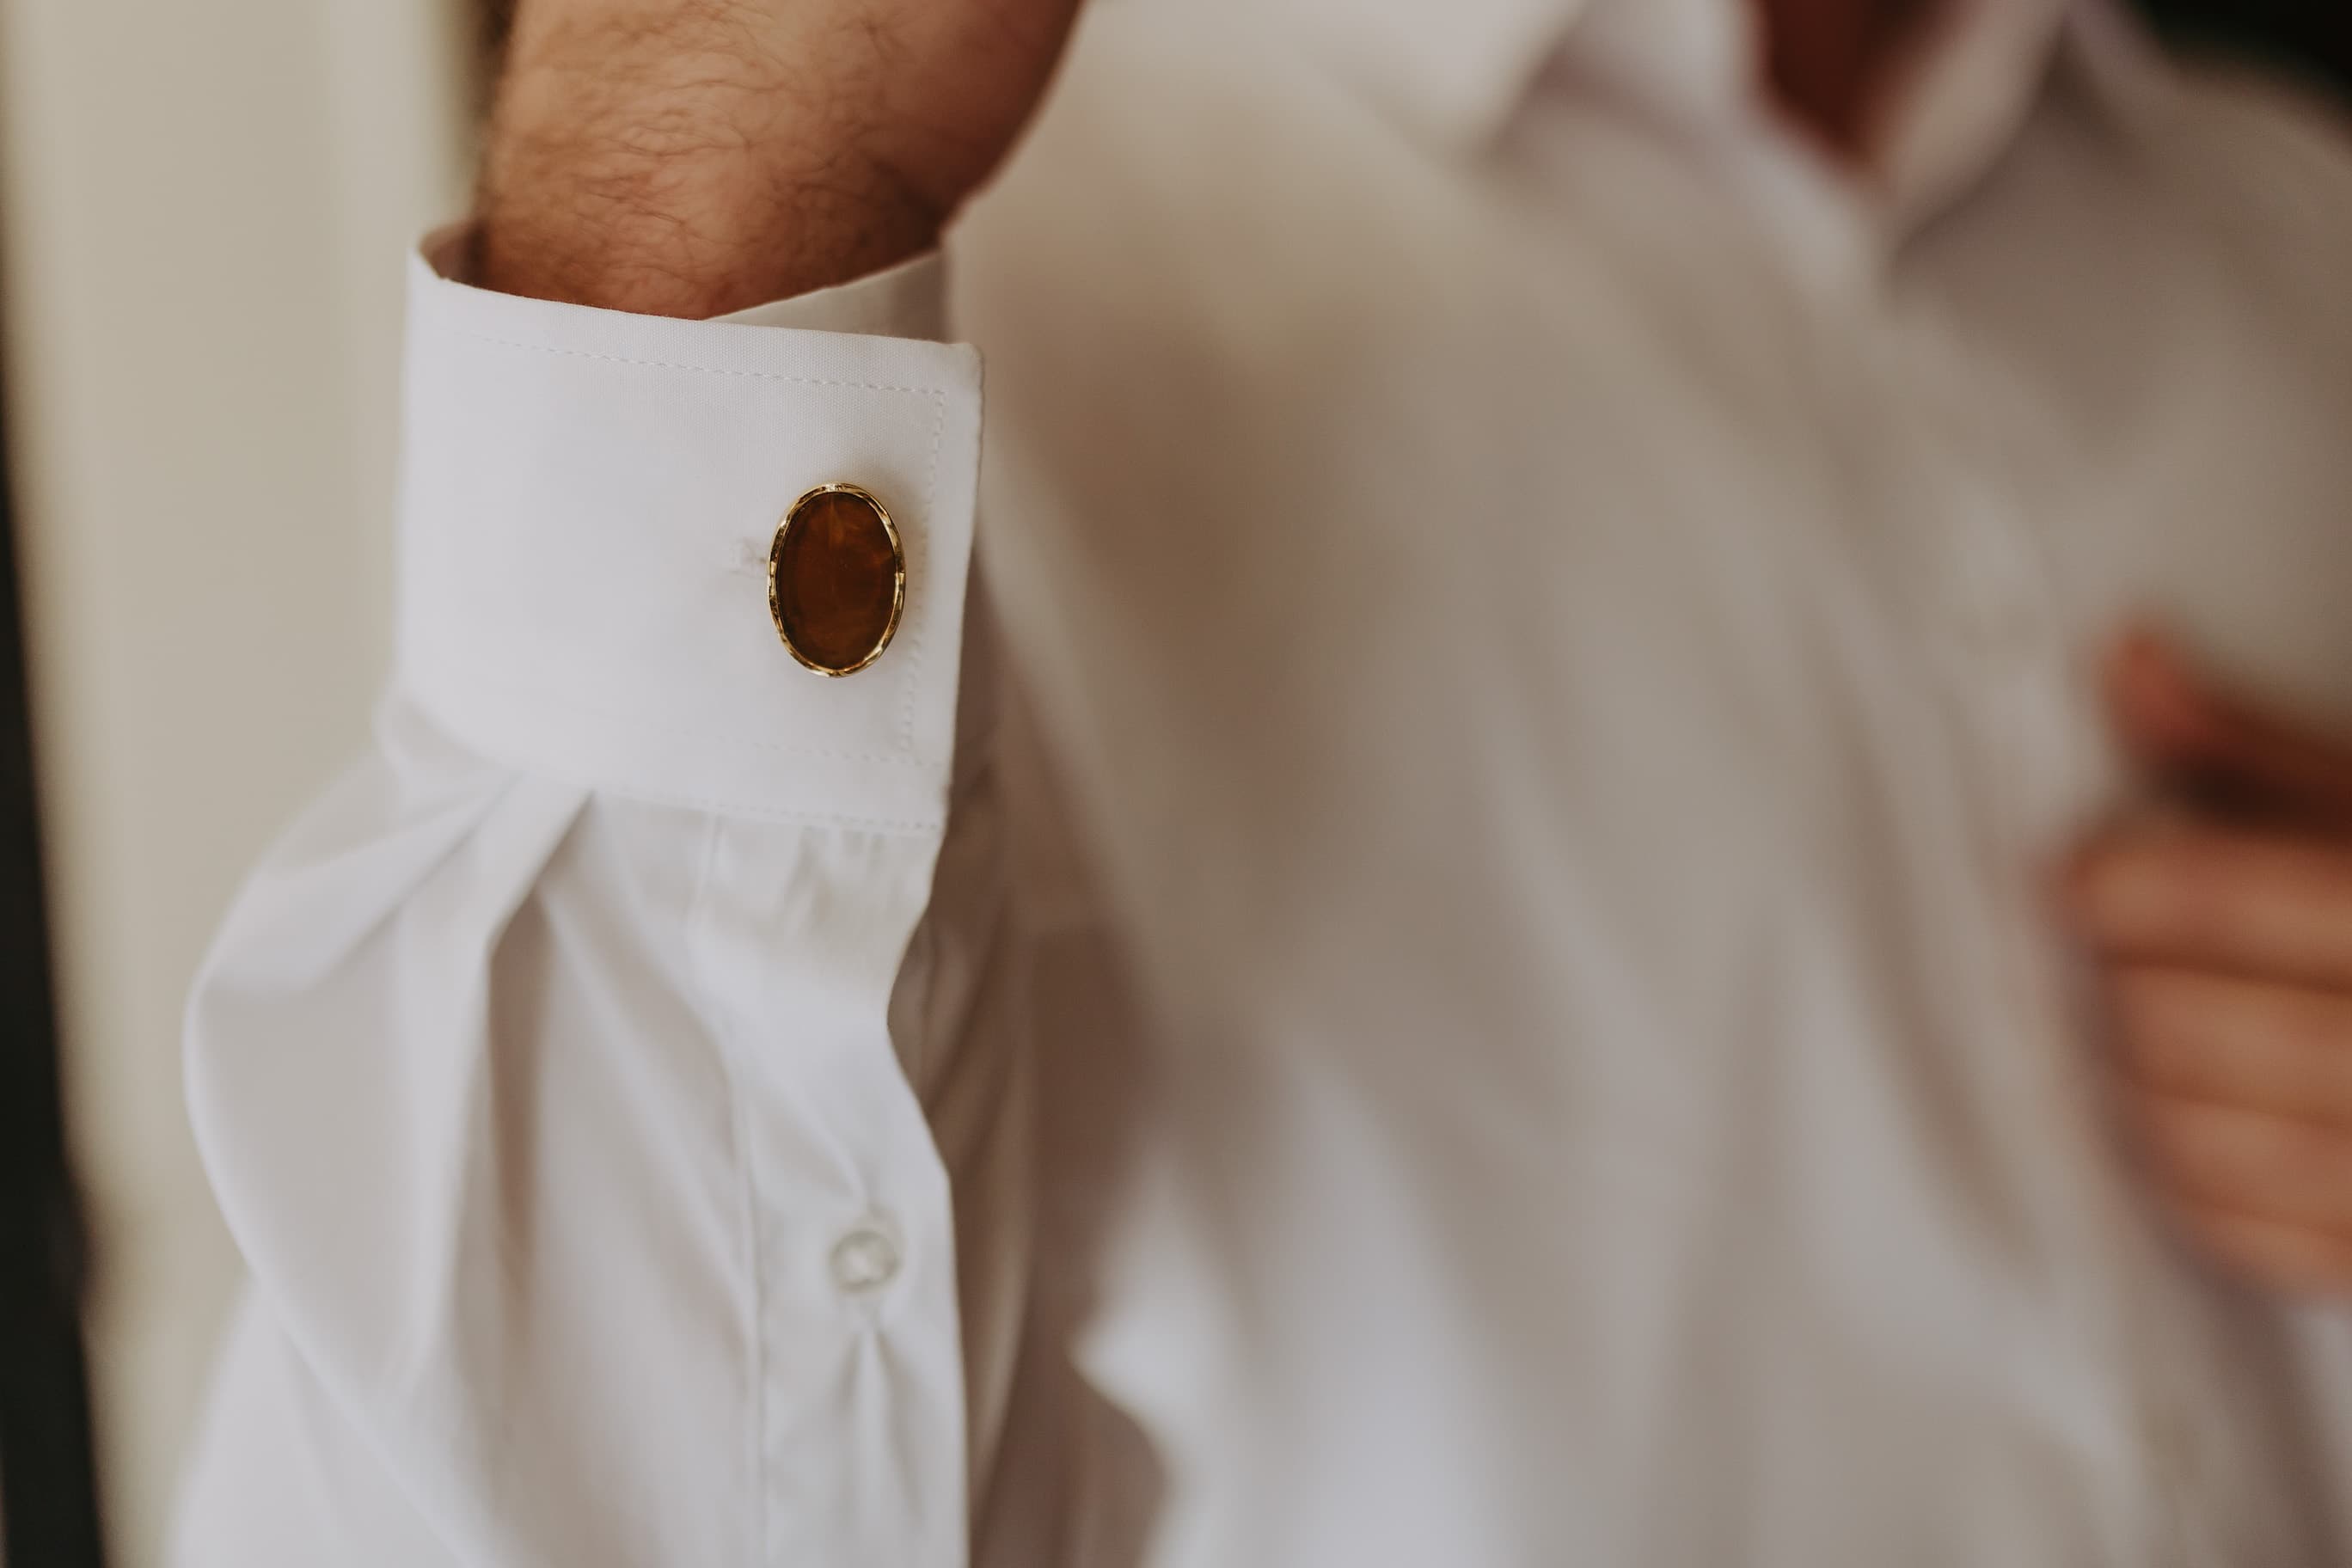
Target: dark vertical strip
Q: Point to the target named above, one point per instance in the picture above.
(493, 20)
(2310, 37)
(48, 1490)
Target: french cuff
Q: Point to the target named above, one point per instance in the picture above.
(908, 300)
(588, 500)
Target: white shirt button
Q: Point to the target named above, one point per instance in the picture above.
(865, 1259)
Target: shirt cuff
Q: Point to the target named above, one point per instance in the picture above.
(587, 501)
(908, 300)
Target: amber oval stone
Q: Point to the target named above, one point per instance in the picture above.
(837, 579)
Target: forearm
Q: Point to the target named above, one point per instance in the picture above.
(690, 157)
(670, 160)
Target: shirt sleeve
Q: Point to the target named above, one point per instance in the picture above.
(544, 1072)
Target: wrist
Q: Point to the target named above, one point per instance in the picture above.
(643, 161)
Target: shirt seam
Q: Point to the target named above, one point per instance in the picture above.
(916, 643)
(932, 392)
(801, 816)
(793, 815)
(796, 816)
(907, 756)
(747, 1191)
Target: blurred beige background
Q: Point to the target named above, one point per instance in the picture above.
(206, 209)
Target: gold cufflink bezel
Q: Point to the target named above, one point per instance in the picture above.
(793, 515)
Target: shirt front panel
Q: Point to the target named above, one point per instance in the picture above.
(1564, 713)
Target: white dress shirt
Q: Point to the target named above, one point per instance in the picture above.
(1430, 954)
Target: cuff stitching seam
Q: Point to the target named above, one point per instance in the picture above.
(526, 694)
(932, 392)
(930, 512)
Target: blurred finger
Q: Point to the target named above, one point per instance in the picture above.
(2291, 1257)
(2278, 1168)
(2251, 1043)
(2223, 746)
(2248, 904)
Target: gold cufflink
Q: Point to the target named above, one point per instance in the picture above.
(837, 579)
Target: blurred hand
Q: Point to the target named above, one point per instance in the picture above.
(690, 157)
(2225, 933)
